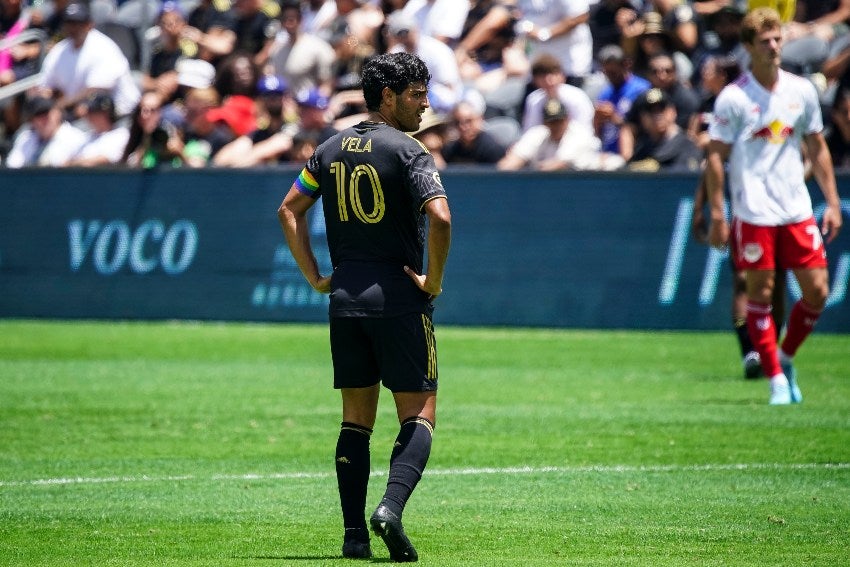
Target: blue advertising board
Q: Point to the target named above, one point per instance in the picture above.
(606, 250)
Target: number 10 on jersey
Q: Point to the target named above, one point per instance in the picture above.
(367, 174)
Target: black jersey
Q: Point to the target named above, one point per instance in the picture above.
(375, 181)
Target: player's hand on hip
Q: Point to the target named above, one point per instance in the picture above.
(323, 284)
(718, 234)
(423, 283)
(831, 225)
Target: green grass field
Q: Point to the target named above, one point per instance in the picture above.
(212, 444)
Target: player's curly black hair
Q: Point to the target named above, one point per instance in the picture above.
(394, 70)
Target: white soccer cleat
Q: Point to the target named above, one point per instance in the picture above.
(780, 391)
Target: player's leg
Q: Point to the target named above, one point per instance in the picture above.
(755, 253)
(749, 356)
(801, 248)
(814, 284)
(409, 370)
(356, 376)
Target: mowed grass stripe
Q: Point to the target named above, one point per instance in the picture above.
(506, 471)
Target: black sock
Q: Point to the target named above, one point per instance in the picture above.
(409, 457)
(743, 335)
(352, 475)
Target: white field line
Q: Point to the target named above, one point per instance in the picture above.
(609, 469)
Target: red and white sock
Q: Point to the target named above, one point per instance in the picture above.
(763, 335)
(801, 322)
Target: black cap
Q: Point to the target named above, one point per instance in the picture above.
(553, 109)
(37, 105)
(76, 12)
(652, 99)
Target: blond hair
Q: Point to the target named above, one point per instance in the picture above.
(757, 21)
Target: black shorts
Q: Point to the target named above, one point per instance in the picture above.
(399, 351)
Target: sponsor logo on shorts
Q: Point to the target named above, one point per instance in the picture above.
(752, 252)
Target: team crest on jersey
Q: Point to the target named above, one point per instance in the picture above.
(437, 180)
(752, 252)
(774, 133)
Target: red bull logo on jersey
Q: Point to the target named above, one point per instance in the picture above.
(774, 133)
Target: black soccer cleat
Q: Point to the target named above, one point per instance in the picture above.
(388, 526)
(354, 549)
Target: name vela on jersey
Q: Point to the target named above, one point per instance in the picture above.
(353, 144)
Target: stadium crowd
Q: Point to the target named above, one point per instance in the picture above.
(539, 84)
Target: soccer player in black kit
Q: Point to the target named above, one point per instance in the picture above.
(379, 185)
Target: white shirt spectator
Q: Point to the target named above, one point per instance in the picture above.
(573, 49)
(445, 88)
(575, 100)
(578, 147)
(107, 144)
(306, 64)
(98, 64)
(438, 18)
(29, 150)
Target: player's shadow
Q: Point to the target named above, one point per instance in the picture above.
(306, 558)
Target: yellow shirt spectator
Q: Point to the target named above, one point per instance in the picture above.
(786, 8)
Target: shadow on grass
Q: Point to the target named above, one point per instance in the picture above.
(309, 558)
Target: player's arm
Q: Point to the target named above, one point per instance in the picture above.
(292, 215)
(699, 226)
(824, 173)
(439, 241)
(718, 232)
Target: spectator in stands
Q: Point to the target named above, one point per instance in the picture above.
(304, 60)
(237, 75)
(313, 122)
(809, 39)
(432, 134)
(21, 60)
(664, 75)
(17, 62)
(106, 141)
(317, 16)
(559, 27)
(445, 88)
(838, 132)
(440, 19)
(169, 48)
(473, 143)
(549, 78)
(722, 38)
(276, 111)
(680, 21)
(212, 27)
(255, 24)
(210, 131)
(87, 61)
(488, 53)
(652, 40)
(46, 139)
(615, 100)
(152, 141)
(717, 72)
(558, 144)
(607, 20)
(363, 17)
(660, 144)
(192, 75)
(350, 55)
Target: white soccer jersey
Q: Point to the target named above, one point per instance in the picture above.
(765, 129)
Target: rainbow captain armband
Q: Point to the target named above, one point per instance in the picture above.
(307, 184)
